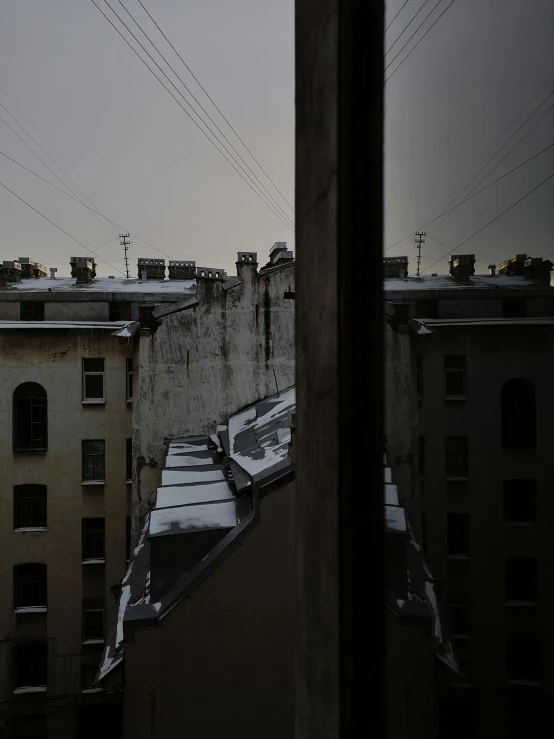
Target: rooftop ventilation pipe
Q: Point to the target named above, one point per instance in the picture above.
(492, 269)
(53, 271)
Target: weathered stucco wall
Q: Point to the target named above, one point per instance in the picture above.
(205, 363)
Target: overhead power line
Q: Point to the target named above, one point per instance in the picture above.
(412, 19)
(269, 195)
(419, 40)
(257, 192)
(215, 105)
(513, 205)
(395, 17)
(58, 227)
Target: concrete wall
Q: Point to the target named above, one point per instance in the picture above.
(221, 664)
(78, 311)
(53, 359)
(203, 364)
(493, 357)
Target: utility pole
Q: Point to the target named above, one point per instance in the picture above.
(419, 240)
(125, 244)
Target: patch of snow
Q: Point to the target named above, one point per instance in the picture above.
(388, 474)
(283, 435)
(216, 441)
(391, 494)
(395, 518)
(103, 284)
(178, 448)
(193, 518)
(123, 601)
(32, 609)
(109, 664)
(93, 561)
(30, 529)
(156, 606)
(88, 642)
(30, 689)
(185, 477)
(63, 324)
(186, 460)
(92, 690)
(221, 427)
(177, 495)
(432, 598)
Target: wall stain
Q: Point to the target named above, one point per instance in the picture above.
(267, 321)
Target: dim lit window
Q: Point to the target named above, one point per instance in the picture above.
(94, 460)
(129, 381)
(520, 501)
(129, 460)
(30, 420)
(518, 414)
(460, 615)
(455, 376)
(29, 586)
(29, 507)
(94, 390)
(523, 657)
(521, 579)
(419, 376)
(456, 457)
(457, 532)
(93, 534)
(31, 311)
(93, 620)
(30, 665)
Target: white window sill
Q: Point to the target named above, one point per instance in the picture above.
(93, 402)
(129, 401)
(92, 641)
(522, 524)
(460, 557)
(88, 691)
(129, 482)
(30, 530)
(31, 609)
(455, 398)
(93, 482)
(30, 689)
(520, 604)
(525, 683)
(93, 562)
(456, 479)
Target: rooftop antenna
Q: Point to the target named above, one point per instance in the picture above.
(125, 241)
(419, 240)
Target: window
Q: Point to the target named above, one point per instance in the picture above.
(129, 386)
(30, 662)
(422, 456)
(33, 726)
(120, 311)
(419, 376)
(520, 501)
(88, 675)
(455, 376)
(514, 308)
(93, 381)
(128, 538)
(460, 615)
(456, 457)
(31, 311)
(94, 460)
(29, 507)
(458, 714)
(457, 532)
(29, 586)
(93, 620)
(129, 460)
(518, 414)
(523, 657)
(525, 712)
(30, 423)
(521, 579)
(93, 539)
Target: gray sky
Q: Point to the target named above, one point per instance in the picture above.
(143, 158)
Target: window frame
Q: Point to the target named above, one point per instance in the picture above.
(531, 676)
(21, 500)
(93, 373)
(31, 306)
(38, 400)
(129, 380)
(128, 460)
(466, 554)
(529, 579)
(515, 424)
(450, 371)
(448, 472)
(91, 538)
(30, 587)
(93, 605)
(94, 456)
(460, 603)
(38, 685)
(510, 489)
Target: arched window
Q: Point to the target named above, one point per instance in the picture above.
(30, 421)
(519, 423)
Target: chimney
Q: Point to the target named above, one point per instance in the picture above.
(247, 263)
(512, 266)
(492, 269)
(75, 269)
(279, 254)
(153, 268)
(395, 267)
(82, 268)
(181, 270)
(210, 273)
(462, 266)
(143, 276)
(31, 269)
(536, 268)
(53, 271)
(12, 271)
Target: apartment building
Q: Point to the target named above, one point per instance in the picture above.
(474, 356)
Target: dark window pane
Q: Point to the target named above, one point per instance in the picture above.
(94, 387)
(93, 538)
(29, 506)
(32, 311)
(93, 619)
(460, 614)
(30, 664)
(29, 584)
(129, 459)
(520, 501)
(514, 307)
(29, 417)
(518, 414)
(458, 537)
(455, 361)
(458, 717)
(521, 579)
(94, 463)
(523, 657)
(456, 456)
(93, 365)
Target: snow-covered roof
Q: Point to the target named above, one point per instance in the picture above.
(106, 325)
(187, 519)
(445, 282)
(426, 325)
(100, 284)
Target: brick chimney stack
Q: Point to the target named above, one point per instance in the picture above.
(154, 269)
(462, 266)
(181, 269)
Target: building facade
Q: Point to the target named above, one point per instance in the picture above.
(72, 384)
(474, 355)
